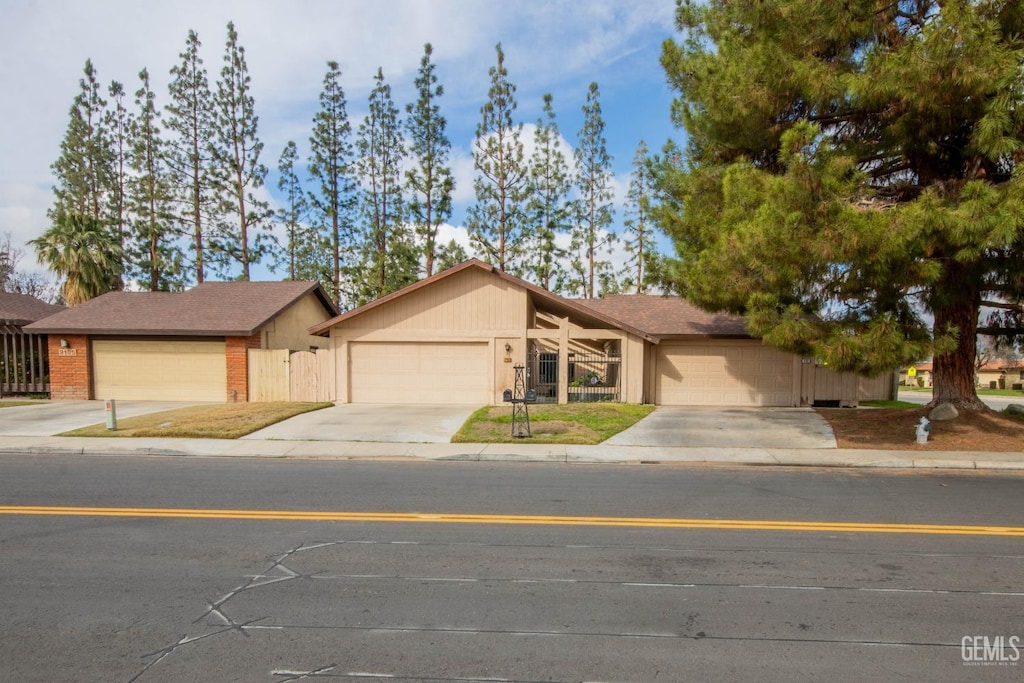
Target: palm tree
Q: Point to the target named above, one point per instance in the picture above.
(84, 252)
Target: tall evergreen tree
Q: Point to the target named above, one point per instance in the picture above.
(497, 222)
(871, 172)
(118, 122)
(306, 250)
(592, 234)
(548, 208)
(388, 260)
(244, 236)
(156, 253)
(429, 181)
(190, 122)
(331, 166)
(641, 265)
(83, 169)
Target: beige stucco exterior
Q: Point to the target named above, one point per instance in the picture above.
(289, 330)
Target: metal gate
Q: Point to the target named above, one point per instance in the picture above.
(592, 376)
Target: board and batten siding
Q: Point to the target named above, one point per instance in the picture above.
(469, 301)
(467, 309)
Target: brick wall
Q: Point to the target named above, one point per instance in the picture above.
(70, 376)
(236, 351)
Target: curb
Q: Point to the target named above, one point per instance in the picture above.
(565, 455)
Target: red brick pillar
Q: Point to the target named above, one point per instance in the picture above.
(236, 350)
(70, 372)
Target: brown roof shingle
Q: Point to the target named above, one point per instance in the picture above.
(21, 309)
(668, 316)
(208, 309)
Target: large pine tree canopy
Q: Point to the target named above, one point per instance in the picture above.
(852, 175)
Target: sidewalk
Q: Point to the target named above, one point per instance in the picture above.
(515, 452)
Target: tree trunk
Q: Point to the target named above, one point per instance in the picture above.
(957, 307)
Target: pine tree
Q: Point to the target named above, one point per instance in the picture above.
(450, 255)
(331, 168)
(306, 248)
(388, 259)
(851, 167)
(548, 208)
(640, 268)
(244, 235)
(156, 253)
(118, 122)
(592, 234)
(497, 222)
(83, 169)
(190, 122)
(429, 181)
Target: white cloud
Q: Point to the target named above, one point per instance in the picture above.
(551, 45)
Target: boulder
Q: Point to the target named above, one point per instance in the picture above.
(1015, 409)
(943, 411)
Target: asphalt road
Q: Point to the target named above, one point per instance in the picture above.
(603, 582)
(993, 402)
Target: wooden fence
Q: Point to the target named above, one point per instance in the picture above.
(24, 362)
(283, 375)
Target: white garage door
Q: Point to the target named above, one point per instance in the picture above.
(159, 370)
(723, 375)
(419, 372)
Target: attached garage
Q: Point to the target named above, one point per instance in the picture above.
(159, 370)
(725, 374)
(420, 372)
(179, 346)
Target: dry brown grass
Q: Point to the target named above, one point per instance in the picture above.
(894, 428)
(228, 421)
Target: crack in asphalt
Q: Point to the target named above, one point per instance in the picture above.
(216, 610)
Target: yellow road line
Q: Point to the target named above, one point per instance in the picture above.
(444, 518)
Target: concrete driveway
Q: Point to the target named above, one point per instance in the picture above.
(53, 417)
(729, 428)
(372, 422)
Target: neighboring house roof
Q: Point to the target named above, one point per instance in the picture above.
(21, 309)
(668, 316)
(553, 301)
(209, 309)
(924, 367)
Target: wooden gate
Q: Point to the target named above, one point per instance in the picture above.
(310, 377)
(283, 375)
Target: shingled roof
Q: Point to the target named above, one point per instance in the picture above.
(211, 309)
(22, 309)
(668, 316)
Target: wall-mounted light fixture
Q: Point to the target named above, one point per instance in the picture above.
(508, 348)
(64, 343)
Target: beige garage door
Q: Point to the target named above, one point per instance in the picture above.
(723, 375)
(159, 370)
(419, 372)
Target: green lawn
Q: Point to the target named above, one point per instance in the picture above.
(981, 392)
(575, 423)
(889, 404)
(5, 403)
(229, 421)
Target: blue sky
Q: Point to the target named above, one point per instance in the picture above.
(556, 46)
